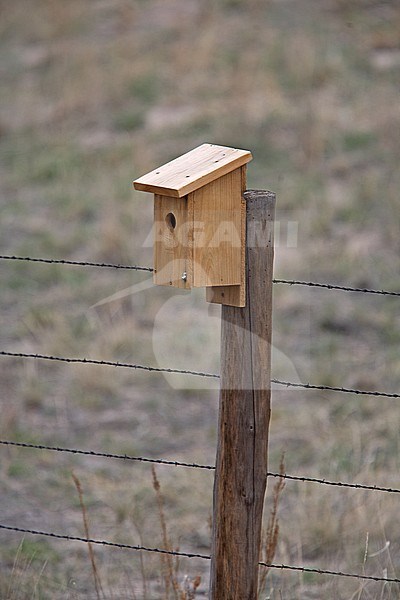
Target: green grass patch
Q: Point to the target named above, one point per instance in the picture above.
(358, 140)
(129, 120)
(145, 88)
(18, 469)
(34, 550)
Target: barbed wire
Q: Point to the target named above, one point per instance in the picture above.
(328, 286)
(328, 572)
(343, 390)
(193, 465)
(75, 538)
(90, 361)
(332, 286)
(78, 263)
(159, 461)
(109, 363)
(357, 486)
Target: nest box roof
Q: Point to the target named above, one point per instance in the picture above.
(192, 170)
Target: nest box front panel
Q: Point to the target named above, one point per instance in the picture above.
(172, 242)
(218, 231)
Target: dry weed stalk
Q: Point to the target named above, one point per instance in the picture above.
(141, 561)
(166, 559)
(270, 536)
(96, 576)
(170, 570)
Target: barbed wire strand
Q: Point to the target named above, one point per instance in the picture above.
(328, 572)
(331, 286)
(76, 263)
(74, 538)
(357, 486)
(328, 286)
(108, 363)
(90, 361)
(343, 390)
(127, 457)
(193, 465)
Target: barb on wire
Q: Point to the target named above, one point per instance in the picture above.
(53, 261)
(110, 363)
(176, 463)
(75, 538)
(331, 286)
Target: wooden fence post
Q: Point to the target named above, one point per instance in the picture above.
(244, 412)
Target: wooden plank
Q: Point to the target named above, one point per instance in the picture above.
(192, 170)
(234, 295)
(217, 232)
(244, 415)
(231, 295)
(172, 246)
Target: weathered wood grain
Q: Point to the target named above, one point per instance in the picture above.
(244, 414)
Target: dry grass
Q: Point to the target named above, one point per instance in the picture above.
(173, 588)
(24, 580)
(270, 539)
(97, 581)
(97, 93)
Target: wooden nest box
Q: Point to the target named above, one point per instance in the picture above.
(199, 221)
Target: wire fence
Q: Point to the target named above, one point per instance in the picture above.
(176, 463)
(288, 384)
(74, 538)
(327, 286)
(76, 263)
(125, 457)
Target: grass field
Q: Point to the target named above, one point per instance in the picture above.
(95, 94)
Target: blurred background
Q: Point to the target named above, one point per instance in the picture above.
(95, 94)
